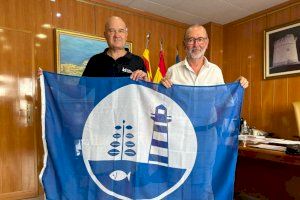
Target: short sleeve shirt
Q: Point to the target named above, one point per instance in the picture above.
(182, 74)
(102, 65)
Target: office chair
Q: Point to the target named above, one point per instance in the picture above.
(296, 105)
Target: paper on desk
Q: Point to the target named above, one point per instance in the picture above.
(281, 141)
(262, 139)
(253, 139)
(270, 147)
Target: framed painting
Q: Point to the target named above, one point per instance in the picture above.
(282, 50)
(74, 49)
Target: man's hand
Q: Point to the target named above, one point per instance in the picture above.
(243, 81)
(139, 75)
(166, 82)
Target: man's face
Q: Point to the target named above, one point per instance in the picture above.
(196, 42)
(116, 34)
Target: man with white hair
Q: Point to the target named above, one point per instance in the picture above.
(116, 60)
(195, 69)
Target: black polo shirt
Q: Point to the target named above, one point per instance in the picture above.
(102, 65)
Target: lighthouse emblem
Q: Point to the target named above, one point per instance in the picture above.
(159, 144)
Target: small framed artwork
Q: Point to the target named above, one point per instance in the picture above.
(74, 49)
(282, 50)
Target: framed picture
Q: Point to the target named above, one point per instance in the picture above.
(74, 49)
(282, 50)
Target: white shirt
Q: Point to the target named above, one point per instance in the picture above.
(182, 74)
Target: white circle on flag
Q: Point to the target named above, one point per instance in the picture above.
(122, 130)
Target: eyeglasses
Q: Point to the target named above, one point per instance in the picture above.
(193, 40)
(114, 31)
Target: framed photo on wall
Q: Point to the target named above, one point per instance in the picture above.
(282, 50)
(74, 49)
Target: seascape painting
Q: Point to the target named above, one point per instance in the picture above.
(74, 50)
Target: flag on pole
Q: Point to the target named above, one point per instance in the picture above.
(177, 58)
(115, 138)
(146, 59)
(161, 68)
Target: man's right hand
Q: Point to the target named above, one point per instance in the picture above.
(166, 82)
(139, 75)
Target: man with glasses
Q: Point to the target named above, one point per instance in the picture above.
(116, 60)
(195, 69)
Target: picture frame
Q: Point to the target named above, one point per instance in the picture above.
(282, 50)
(74, 49)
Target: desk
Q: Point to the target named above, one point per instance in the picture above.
(267, 174)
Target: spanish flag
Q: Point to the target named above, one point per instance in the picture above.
(146, 59)
(161, 69)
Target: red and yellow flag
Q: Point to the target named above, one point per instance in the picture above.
(161, 69)
(146, 59)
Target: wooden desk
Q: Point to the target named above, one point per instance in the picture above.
(267, 174)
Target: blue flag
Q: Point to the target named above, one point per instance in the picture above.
(114, 138)
(177, 58)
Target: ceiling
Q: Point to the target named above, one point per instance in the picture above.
(200, 11)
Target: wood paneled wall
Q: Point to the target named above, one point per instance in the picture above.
(267, 103)
(18, 174)
(214, 53)
(89, 16)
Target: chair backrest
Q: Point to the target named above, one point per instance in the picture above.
(296, 105)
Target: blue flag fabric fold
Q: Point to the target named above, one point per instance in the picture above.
(114, 138)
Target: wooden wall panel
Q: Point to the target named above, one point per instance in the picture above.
(44, 47)
(229, 52)
(280, 104)
(214, 52)
(256, 75)
(18, 156)
(244, 48)
(17, 14)
(293, 82)
(268, 103)
(75, 15)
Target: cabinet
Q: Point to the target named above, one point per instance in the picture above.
(267, 174)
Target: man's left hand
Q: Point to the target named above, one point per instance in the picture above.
(243, 81)
(139, 75)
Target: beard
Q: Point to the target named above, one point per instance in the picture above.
(196, 53)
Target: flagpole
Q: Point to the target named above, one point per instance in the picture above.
(146, 57)
(161, 68)
(161, 44)
(147, 39)
(177, 58)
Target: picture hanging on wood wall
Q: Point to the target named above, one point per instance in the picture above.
(282, 50)
(74, 49)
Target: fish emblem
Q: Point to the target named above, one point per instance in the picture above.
(119, 175)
